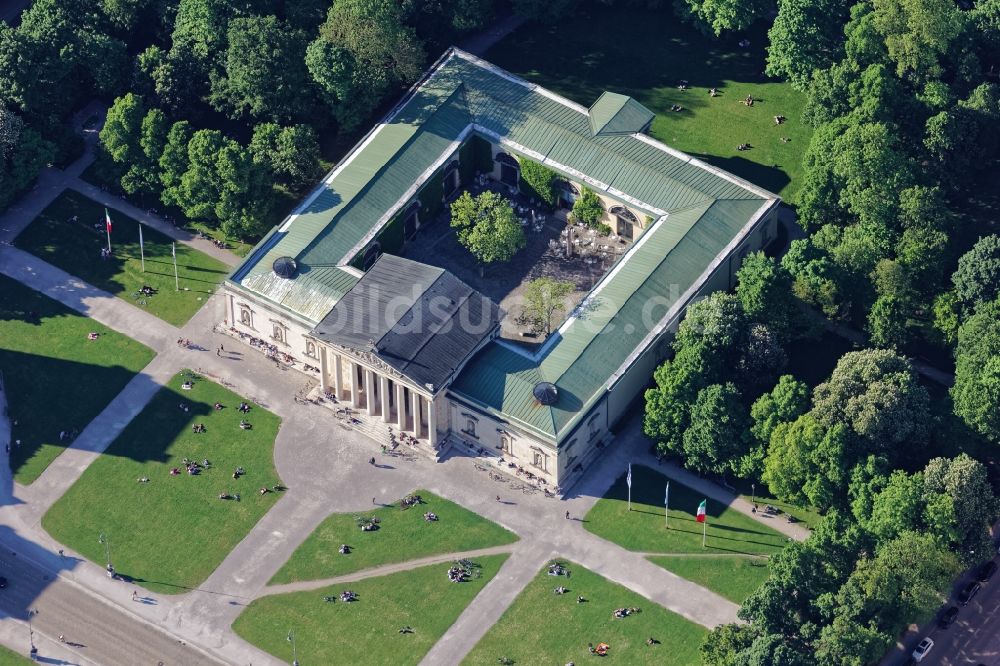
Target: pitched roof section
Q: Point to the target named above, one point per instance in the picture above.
(615, 114)
(610, 325)
(463, 94)
(420, 320)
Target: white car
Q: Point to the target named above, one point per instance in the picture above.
(925, 646)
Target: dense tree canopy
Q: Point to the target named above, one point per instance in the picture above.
(977, 371)
(487, 226)
(977, 279)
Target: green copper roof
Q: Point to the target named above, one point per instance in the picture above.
(587, 351)
(618, 114)
(699, 210)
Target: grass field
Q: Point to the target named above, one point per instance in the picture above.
(365, 631)
(56, 379)
(734, 577)
(169, 534)
(645, 53)
(76, 248)
(642, 529)
(11, 658)
(403, 535)
(544, 628)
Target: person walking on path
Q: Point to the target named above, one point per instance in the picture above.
(498, 498)
(135, 596)
(567, 515)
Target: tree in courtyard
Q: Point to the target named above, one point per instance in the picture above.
(539, 181)
(265, 71)
(976, 393)
(588, 208)
(364, 50)
(876, 394)
(716, 438)
(977, 279)
(487, 226)
(543, 298)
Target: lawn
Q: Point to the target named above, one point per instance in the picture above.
(11, 658)
(76, 248)
(365, 631)
(403, 535)
(544, 628)
(645, 53)
(169, 534)
(734, 577)
(57, 380)
(642, 529)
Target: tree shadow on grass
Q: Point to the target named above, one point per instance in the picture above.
(772, 178)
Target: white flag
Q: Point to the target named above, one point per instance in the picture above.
(666, 495)
(628, 479)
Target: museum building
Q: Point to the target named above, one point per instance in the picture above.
(411, 347)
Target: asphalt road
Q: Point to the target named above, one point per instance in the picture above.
(95, 631)
(974, 638)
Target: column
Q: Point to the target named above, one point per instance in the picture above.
(401, 407)
(322, 368)
(416, 413)
(370, 392)
(432, 435)
(384, 398)
(338, 379)
(355, 387)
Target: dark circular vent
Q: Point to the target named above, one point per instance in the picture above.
(284, 267)
(546, 393)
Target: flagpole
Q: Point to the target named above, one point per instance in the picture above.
(704, 529)
(628, 480)
(142, 253)
(173, 251)
(666, 507)
(107, 228)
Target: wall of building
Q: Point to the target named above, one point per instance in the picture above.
(492, 435)
(288, 334)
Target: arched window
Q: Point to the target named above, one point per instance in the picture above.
(451, 178)
(310, 349)
(510, 170)
(625, 221)
(372, 254)
(246, 316)
(568, 194)
(505, 444)
(278, 332)
(411, 220)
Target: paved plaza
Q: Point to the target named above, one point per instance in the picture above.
(325, 468)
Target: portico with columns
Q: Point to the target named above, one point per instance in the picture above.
(392, 345)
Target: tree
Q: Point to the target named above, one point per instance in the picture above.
(543, 10)
(976, 392)
(807, 463)
(143, 175)
(897, 508)
(716, 437)
(719, 16)
(539, 181)
(786, 402)
(543, 298)
(918, 33)
(23, 154)
(724, 644)
(364, 49)
(265, 72)
(487, 227)
(876, 394)
(806, 36)
(964, 481)
(764, 287)
(292, 152)
(977, 279)
(588, 208)
(122, 129)
(174, 162)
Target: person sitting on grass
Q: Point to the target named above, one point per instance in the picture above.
(245, 425)
(218, 405)
(188, 385)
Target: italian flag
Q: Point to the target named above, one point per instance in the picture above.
(701, 512)
(107, 220)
